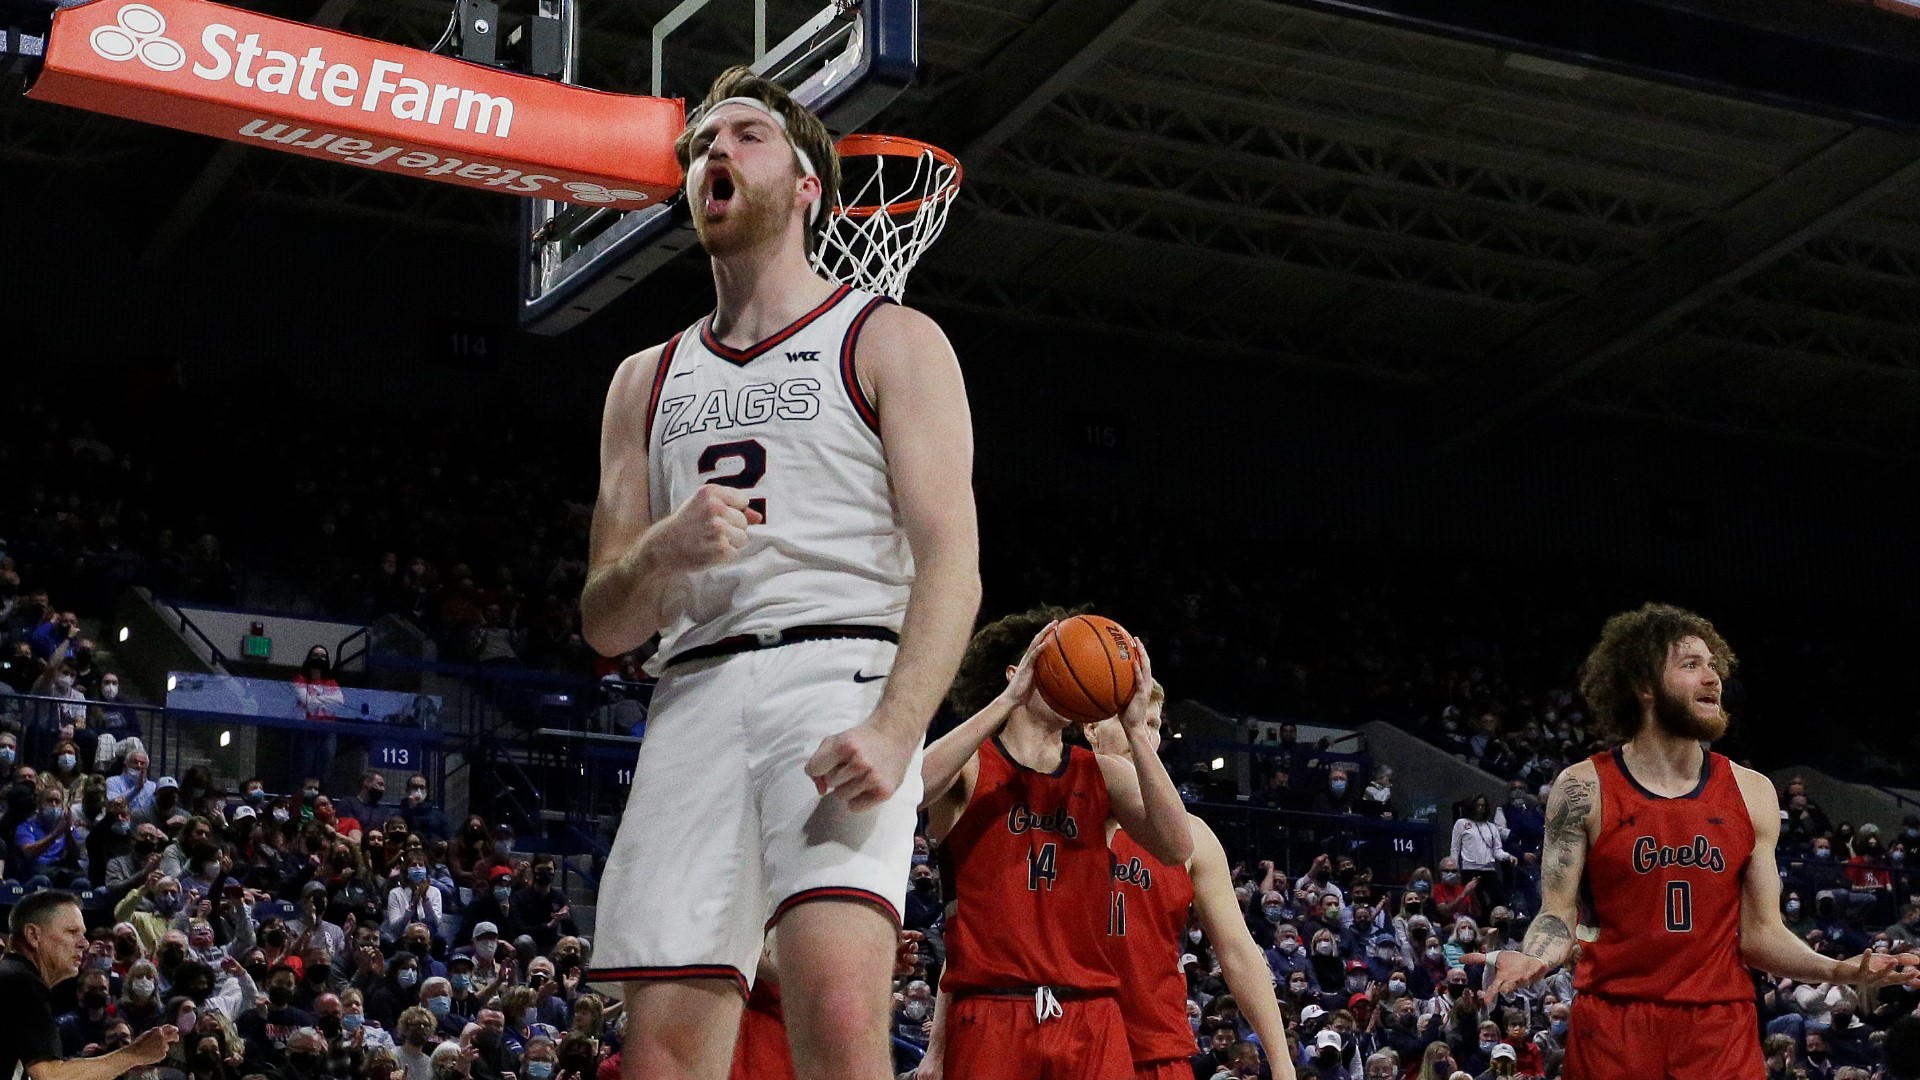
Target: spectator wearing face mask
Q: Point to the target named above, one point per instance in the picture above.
(1337, 797)
(1404, 1032)
(1453, 895)
(1465, 939)
(493, 904)
(1816, 1057)
(496, 1058)
(354, 1025)
(1869, 876)
(436, 996)
(266, 1028)
(1325, 1058)
(66, 770)
(542, 911)
(49, 851)
(414, 1041)
(397, 991)
(924, 911)
(111, 720)
(1329, 971)
(132, 784)
(1477, 1057)
(140, 1004)
(1521, 822)
(87, 1024)
(553, 993)
(1502, 1064)
(423, 818)
(539, 1060)
(1528, 1059)
(60, 683)
(413, 900)
(111, 838)
(1288, 957)
(462, 1003)
(1479, 850)
(50, 638)
(370, 806)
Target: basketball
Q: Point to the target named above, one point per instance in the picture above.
(1085, 669)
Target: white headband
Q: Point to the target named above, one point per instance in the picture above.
(806, 163)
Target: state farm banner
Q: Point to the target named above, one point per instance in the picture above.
(258, 80)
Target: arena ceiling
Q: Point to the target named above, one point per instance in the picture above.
(1277, 180)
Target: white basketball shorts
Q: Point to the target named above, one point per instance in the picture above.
(724, 830)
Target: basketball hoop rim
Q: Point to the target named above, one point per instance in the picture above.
(866, 144)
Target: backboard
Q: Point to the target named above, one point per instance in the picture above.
(845, 60)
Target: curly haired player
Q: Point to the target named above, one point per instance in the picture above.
(1672, 846)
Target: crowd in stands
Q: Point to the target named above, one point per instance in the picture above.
(301, 935)
(1380, 979)
(314, 933)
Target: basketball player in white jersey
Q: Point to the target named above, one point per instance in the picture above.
(786, 498)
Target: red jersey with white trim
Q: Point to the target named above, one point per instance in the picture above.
(1028, 870)
(1147, 917)
(786, 422)
(1664, 881)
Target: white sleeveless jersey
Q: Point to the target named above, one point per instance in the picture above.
(786, 422)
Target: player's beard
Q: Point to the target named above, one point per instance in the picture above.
(753, 218)
(1676, 717)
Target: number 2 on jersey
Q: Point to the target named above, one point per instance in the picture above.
(753, 466)
(1040, 866)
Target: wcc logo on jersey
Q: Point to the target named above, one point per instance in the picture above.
(1650, 855)
(725, 408)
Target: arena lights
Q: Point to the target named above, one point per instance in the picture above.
(125, 632)
(171, 683)
(226, 737)
(1219, 763)
(215, 70)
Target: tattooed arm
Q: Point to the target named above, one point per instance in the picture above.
(1573, 813)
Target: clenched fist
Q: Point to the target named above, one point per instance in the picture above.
(708, 529)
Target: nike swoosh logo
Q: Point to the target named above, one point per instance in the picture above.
(679, 374)
(862, 677)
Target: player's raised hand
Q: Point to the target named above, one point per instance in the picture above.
(1511, 969)
(1134, 717)
(708, 529)
(1020, 684)
(1872, 972)
(862, 765)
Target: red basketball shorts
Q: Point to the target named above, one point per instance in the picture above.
(1170, 1069)
(762, 1052)
(998, 1038)
(1614, 1039)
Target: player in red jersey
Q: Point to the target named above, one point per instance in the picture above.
(1145, 924)
(1672, 846)
(1020, 817)
(762, 1051)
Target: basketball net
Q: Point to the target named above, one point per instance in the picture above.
(877, 234)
